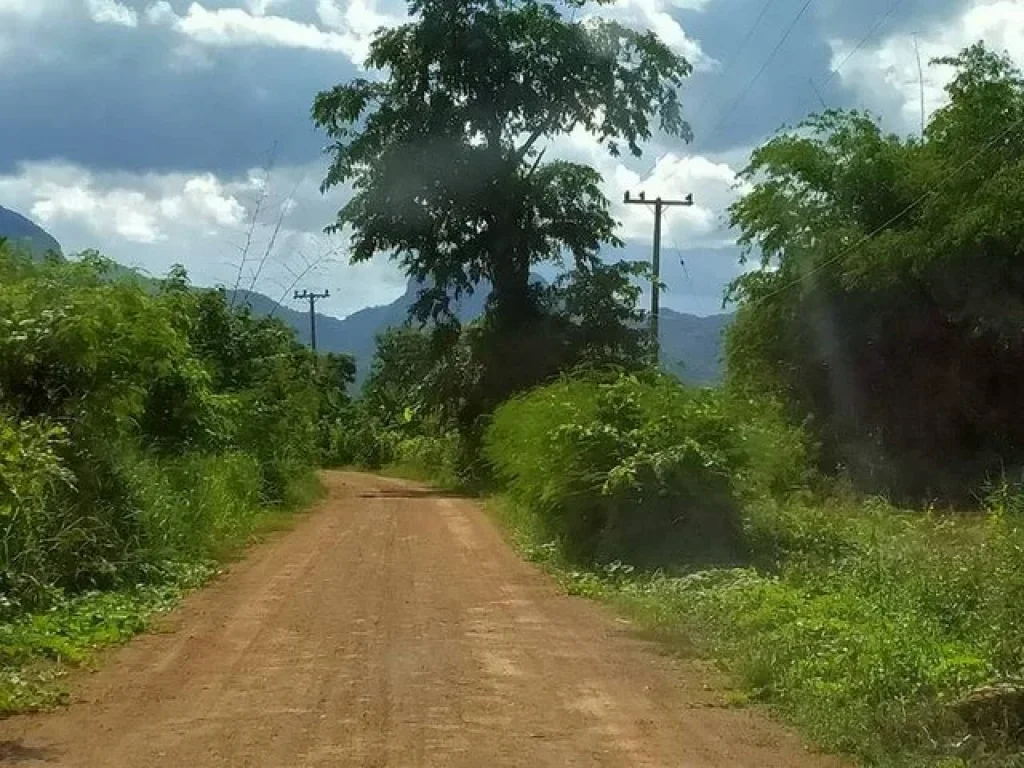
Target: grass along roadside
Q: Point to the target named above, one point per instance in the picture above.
(893, 637)
(39, 650)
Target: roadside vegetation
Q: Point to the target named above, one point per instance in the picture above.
(147, 430)
(839, 524)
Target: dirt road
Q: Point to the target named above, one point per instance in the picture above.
(394, 627)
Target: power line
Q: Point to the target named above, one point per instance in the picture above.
(879, 22)
(659, 206)
(930, 193)
(872, 31)
(727, 113)
(864, 40)
(734, 56)
(682, 260)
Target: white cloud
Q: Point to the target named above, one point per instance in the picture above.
(886, 76)
(111, 12)
(348, 26)
(713, 186)
(357, 22)
(657, 15)
(18, 22)
(673, 176)
(161, 13)
(237, 27)
(139, 212)
(152, 221)
(260, 7)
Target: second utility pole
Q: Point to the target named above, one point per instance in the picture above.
(659, 205)
(313, 298)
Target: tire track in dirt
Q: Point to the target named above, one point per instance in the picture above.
(394, 627)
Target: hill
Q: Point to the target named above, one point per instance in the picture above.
(26, 233)
(691, 345)
(356, 334)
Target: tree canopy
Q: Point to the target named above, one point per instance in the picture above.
(445, 153)
(890, 294)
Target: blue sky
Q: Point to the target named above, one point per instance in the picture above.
(145, 128)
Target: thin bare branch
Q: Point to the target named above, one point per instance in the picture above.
(277, 230)
(254, 219)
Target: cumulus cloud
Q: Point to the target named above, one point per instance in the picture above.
(713, 186)
(238, 27)
(214, 83)
(111, 12)
(260, 7)
(699, 253)
(661, 16)
(886, 78)
(140, 213)
(152, 221)
(674, 174)
(357, 21)
(347, 27)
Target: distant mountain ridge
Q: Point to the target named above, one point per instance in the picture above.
(691, 346)
(356, 334)
(24, 232)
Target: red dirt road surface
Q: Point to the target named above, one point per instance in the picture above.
(394, 627)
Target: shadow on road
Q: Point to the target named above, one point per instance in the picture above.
(14, 752)
(413, 493)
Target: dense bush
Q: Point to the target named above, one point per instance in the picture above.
(895, 635)
(635, 467)
(439, 458)
(142, 424)
(887, 305)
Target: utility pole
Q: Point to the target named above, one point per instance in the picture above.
(920, 81)
(659, 205)
(312, 298)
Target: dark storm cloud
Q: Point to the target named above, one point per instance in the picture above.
(726, 111)
(151, 100)
(110, 97)
(146, 98)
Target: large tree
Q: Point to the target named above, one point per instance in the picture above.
(445, 152)
(890, 299)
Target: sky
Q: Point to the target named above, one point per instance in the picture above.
(171, 131)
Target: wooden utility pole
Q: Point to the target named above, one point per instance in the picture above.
(659, 205)
(312, 297)
(920, 81)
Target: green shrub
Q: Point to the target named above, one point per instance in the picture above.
(619, 466)
(181, 421)
(366, 444)
(437, 457)
(192, 505)
(180, 417)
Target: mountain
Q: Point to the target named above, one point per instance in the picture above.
(691, 345)
(21, 231)
(356, 335)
